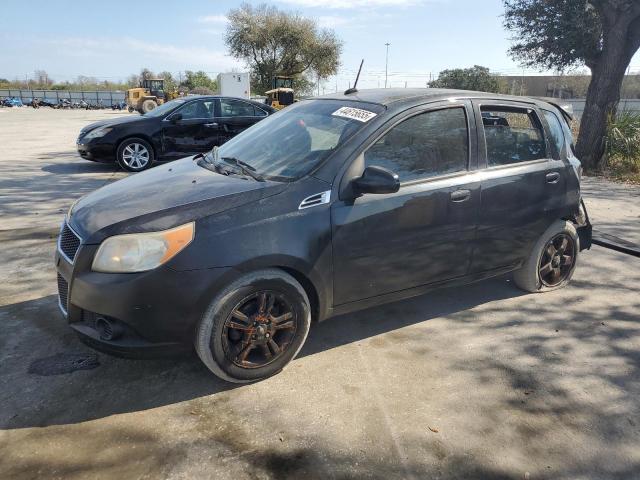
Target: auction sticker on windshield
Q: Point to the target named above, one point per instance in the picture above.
(354, 114)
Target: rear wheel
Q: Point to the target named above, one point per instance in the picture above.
(148, 105)
(254, 327)
(135, 155)
(552, 261)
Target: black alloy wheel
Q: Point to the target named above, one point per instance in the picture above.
(259, 330)
(557, 260)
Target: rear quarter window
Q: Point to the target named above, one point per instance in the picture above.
(556, 133)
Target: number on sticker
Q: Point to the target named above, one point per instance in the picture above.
(354, 114)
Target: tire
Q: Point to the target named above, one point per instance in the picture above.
(221, 347)
(131, 109)
(148, 105)
(135, 155)
(548, 266)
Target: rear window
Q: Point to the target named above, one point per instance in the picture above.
(512, 135)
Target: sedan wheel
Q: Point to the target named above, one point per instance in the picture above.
(135, 155)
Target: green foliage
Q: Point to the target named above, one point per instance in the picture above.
(199, 80)
(476, 78)
(623, 138)
(553, 34)
(273, 42)
(170, 84)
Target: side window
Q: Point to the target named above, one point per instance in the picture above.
(426, 145)
(197, 109)
(236, 108)
(513, 135)
(259, 112)
(555, 131)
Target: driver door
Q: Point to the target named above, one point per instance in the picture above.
(422, 234)
(190, 129)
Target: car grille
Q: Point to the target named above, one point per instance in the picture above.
(63, 293)
(68, 243)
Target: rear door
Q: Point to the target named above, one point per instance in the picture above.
(523, 183)
(235, 116)
(195, 132)
(422, 234)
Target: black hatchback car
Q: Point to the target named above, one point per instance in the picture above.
(333, 204)
(181, 127)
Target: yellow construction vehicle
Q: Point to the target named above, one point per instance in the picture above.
(281, 94)
(148, 95)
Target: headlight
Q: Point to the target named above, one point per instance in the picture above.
(139, 252)
(71, 208)
(97, 132)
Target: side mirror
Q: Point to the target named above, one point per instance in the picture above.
(376, 180)
(175, 118)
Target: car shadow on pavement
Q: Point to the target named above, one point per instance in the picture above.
(34, 330)
(79, 168)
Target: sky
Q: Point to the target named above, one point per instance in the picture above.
(111, 40)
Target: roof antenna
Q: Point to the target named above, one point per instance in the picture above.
(355, 84)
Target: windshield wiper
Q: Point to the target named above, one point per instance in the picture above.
(244, 167)
(208, 158)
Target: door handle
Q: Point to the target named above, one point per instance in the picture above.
(553, 177)
(211, 125)
(460, 195)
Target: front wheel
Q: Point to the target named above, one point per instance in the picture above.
(254, 327)
(148, 105)
(552, 261)
(135, 155)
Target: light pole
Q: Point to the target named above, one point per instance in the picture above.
(386, 66)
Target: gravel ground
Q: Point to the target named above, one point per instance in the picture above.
(475, 382)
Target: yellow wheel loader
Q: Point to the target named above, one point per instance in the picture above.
(281, 94)
(148, 95)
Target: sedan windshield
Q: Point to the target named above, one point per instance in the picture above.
(289, 144)
(165, 107)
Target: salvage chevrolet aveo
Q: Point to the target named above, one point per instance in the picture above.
(333, 204)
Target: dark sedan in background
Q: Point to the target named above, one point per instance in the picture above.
(176, 129)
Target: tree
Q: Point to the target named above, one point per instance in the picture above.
(273, 42)
(199, 80)
(559, 34)
(476, 78)
(170, 83)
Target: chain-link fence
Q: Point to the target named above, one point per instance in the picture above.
(97, 98)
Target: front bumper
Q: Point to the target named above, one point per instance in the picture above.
(158, 310)
(96, 151)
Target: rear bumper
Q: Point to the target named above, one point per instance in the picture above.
(584, 228)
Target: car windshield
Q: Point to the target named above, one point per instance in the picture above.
(289, 144)
(165, 107)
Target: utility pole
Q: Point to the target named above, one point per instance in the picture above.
(386, 66)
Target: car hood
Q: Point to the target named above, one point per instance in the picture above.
(162, 198)
(114, 122)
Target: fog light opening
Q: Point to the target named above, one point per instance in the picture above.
(108, 329)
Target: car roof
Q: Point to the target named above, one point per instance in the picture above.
(211, 97)
(388, 96)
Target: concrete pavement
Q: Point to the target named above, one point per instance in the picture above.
(475, 382)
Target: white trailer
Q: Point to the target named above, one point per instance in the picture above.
(234, 85)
